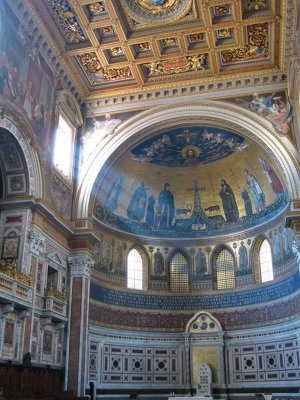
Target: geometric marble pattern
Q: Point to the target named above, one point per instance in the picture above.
(124, 364)
(274, 361)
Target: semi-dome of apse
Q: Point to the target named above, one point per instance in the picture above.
(191, 181)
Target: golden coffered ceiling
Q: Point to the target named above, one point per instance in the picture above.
(123, 46)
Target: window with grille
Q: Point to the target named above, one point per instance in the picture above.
(179, 273)
(134, 270)
(225, 270)
(265, 260)
(63, 147)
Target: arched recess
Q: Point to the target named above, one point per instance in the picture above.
(206, 345)
(179, 270)
(255, 256)
(211, 112)
(145, 261)
(34, 181)
(223, 268)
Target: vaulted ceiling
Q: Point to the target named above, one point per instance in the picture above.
(126, 46)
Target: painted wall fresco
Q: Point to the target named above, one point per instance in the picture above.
(28, 85)
(275, 107)
(297, 33)
(25, 77)
(195, 181)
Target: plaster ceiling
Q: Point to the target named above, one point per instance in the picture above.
(123, 46)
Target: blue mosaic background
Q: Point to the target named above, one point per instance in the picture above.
(177, 302)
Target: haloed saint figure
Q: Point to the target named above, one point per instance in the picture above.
(166, 207)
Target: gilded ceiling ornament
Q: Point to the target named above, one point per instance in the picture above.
(112, 74)
(222, 10)
(90, 62)
(97, 73)
(169, 42)
(117, 51)
(143, 46)
(97, 8)
(224, 33)
(174, 66)
(67, 20)
(258, 45)
(256, 5)
(107, 30)
(148, 11)
(197, 37)
(156, 6)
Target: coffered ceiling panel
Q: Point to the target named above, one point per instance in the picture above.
(130, 44)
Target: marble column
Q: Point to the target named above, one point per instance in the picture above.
(80, 266)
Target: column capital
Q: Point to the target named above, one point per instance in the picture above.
(80, 266)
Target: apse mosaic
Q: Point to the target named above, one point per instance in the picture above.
(182, 182)
(188, 147)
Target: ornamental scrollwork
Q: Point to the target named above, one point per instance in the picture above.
(97, 73)
(174, 66)
(67, 20)
(156, 6)
(257, 47)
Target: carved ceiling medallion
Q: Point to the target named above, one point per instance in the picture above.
(157, 10)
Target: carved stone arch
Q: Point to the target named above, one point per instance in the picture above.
(203, 322)
(31, 170)
(254, 255)
(244, 121)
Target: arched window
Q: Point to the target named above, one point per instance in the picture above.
(179, 273)
(265, 261)
(135, 278)
(63, 147)
(224, 270)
